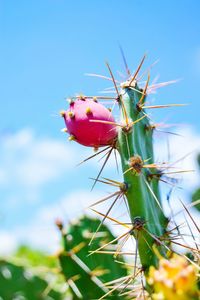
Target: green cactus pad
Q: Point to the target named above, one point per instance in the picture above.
(86, 274)
(19, 283)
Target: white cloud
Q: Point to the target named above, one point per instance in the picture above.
(41, 232)
(20, 139)
(8, 242)
(31, 161)
(69, 206)
(182, 149)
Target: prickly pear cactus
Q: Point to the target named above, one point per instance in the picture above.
(85, 274)
(130, 134)
(19, 283)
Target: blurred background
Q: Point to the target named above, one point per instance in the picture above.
(46, 48)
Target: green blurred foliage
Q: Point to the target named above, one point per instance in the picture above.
(195, 197)
(87, 273)
(19, 283)
(34, 258)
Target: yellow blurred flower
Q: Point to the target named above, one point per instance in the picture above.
(175, 279)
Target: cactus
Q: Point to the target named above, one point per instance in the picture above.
(133, 140)
(135, 147)
(86, 274)
(18, 282)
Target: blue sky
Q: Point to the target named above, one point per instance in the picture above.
(46, 47)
